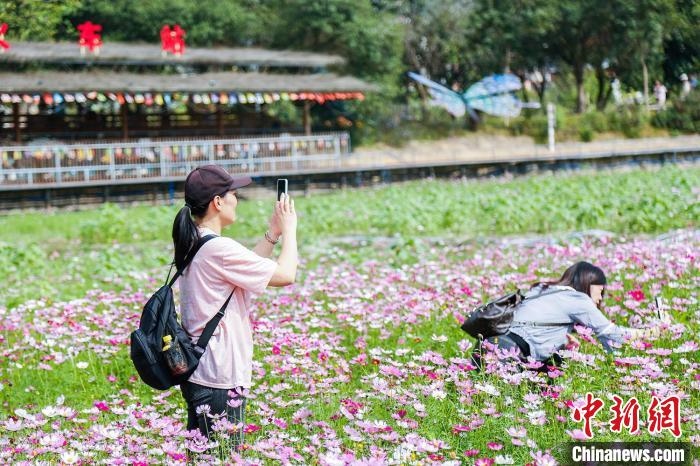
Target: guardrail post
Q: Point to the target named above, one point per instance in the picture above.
(161, 160)
(112, 165)
(57, 165)
(336, 149)
(295, 162)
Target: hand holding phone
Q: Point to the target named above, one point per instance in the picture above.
(282, 187)
(661, 312)
(658, 302)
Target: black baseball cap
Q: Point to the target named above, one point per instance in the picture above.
(208, 181)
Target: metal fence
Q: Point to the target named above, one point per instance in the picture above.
(95, 164)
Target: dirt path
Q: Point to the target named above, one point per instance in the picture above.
(499, 148)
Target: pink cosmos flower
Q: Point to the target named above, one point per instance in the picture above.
(577, 434)
(637, 295)
(494, 446)
(281, 423)
(456, 429)
(518, 432)
(235, 402)
(250, 428)
(543, 459)
(13, 425)
(177, 456)
(101, 405)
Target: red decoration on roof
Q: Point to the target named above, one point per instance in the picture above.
(172, 40)
(90, 37)
(3, 44)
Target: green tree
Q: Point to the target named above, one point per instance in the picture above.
(639, 30)
(35, 19)
(368, 39)
(682, 44)
(513, 36)
(206, 22)
(436, 40)
(581, 32)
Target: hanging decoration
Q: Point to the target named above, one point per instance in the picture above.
(4, 45)
(90, 37)
(168, 100)
(172, 40)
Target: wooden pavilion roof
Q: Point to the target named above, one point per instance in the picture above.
(100, 81)
(115, 53)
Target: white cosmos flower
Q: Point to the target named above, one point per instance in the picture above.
(81, 365)
(487, 388)
(504, 459)
(70, 457)
(49, 411)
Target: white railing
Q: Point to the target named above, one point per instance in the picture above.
(90, 164)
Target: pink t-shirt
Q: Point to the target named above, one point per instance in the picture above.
(219, 266)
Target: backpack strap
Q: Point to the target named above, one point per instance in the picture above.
(543, 324)
(210, 327)
(189, 257)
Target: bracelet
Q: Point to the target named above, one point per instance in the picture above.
(269, 238)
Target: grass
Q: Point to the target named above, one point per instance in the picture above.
(400, 247)
(67, 253)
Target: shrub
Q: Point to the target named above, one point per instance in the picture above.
(596, 121)
(682, 116)
(628, 120)
(110, 224)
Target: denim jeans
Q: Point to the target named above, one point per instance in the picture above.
(197, 395)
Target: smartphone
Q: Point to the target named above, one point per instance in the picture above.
(658, 300)
(282, 185)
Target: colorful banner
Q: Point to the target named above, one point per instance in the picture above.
(168, 100)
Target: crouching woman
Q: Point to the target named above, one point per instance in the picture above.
(544, 322)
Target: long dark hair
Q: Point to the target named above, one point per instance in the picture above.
(185, 233)
(580, 277)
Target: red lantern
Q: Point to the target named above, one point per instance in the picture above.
(90, 37)
(172, 40)
(3, 44)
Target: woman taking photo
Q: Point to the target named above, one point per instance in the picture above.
(223, 265)
(544, 321)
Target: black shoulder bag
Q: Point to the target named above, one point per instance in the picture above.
(496, 317)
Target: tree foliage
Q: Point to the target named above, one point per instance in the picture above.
(454, 42)
(35, 19)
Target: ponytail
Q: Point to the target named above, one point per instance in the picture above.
(185, 236)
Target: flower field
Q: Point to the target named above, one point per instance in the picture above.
(362, 361)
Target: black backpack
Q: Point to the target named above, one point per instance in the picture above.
(159, 318)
